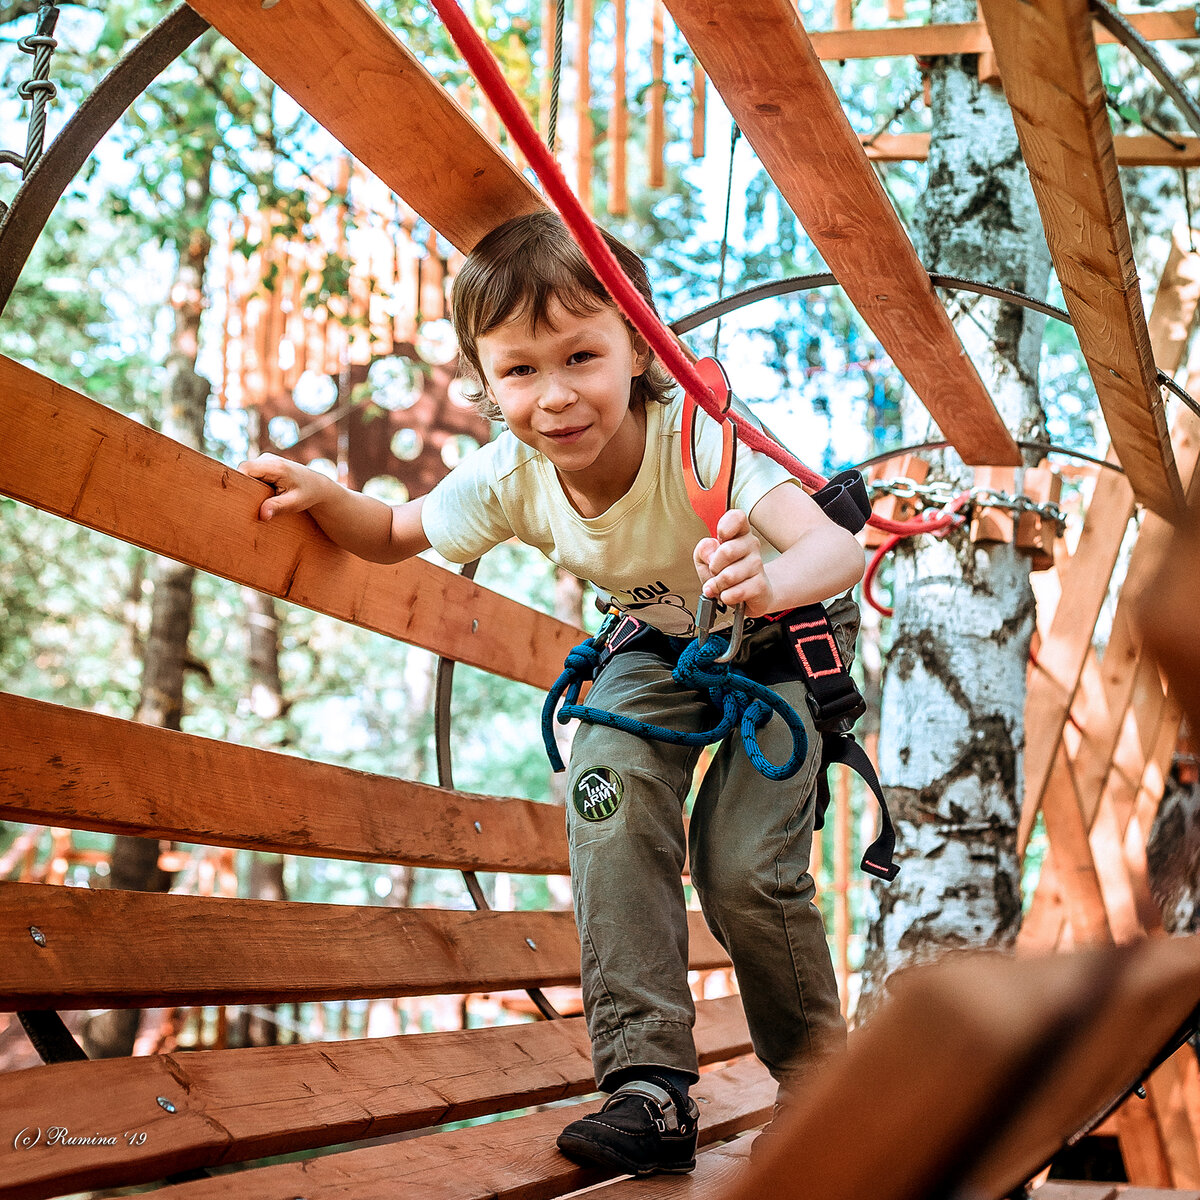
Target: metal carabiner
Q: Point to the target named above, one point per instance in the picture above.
(712, 501)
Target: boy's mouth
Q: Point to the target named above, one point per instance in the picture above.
(566, 435)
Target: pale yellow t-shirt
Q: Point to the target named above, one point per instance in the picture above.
(638, 552)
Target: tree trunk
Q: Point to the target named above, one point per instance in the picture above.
(135, 860)
(952, 718)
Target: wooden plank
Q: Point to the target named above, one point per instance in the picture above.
(761, 61)
(1132, 150)
(68, 455)
(1052, 80)
(345, 68)
(1175, 302)
(234, 1105)
(1049, 1041)
(114, 949)
(61, 767)
(971, 37)
(506, 1160)
(1061, 656)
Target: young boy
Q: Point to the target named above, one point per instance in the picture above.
(589, 471)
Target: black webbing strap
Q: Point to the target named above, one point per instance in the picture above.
(845, 501)
(836, 704)
(878, 860)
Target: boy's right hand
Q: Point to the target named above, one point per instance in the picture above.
(297, 488)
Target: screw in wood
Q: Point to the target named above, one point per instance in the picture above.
(37, 935)
(165, 1104)
(531, 943)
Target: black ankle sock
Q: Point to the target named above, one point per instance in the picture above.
(681, 1081)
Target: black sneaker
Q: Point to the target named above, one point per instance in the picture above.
(645, 1127)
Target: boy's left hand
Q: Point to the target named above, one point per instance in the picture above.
(730, 565)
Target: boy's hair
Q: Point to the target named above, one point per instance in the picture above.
(517, 270)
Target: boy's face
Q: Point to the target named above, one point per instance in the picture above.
(564, 389)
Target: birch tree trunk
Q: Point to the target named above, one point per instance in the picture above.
(952, 713)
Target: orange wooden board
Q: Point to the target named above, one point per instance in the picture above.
(971, 37)
(68, 455)
(134, 949)
(61, 767)
(233, 1105)
(760, 59)
(1141, 150)
(1052, 79)
(347, 69)
(507, 1159)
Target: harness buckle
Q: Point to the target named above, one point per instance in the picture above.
(837, 714)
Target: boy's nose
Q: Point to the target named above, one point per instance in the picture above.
(558, 394)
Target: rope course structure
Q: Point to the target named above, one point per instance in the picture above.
(1057, 1043)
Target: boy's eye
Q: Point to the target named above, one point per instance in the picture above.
(581, 356)
(521, 370)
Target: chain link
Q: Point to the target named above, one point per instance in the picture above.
(939, 494)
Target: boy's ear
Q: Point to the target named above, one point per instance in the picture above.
(643, 355)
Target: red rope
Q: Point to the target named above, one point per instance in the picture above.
(949, 518)
(628, 299)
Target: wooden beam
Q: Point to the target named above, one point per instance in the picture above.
(1063, 652)
(1052, 80)
(68, 455)
(971, 37)
(62, 767)
(759, 58)
(1140, 150)
(348, 71)
(897, 1116)
(205, 950)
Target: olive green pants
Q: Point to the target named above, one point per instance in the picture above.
(749, 846)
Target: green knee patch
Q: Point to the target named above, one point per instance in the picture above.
(597, 793)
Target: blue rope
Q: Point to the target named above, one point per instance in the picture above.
(741, 701)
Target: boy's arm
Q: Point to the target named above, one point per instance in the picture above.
(366, 527)
(817, 558)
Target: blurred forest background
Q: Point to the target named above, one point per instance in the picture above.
(216, 206)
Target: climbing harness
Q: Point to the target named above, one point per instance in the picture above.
(743, 703)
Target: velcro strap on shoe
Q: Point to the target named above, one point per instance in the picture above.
(659, 1097)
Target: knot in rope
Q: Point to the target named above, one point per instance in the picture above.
(742, 703)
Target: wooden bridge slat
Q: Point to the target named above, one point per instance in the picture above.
(343, 65)
(115, 949)
(63, 767)
(68, 455)
(761, 61)
(1051, 76)
(507, 1160)
(233, 1105)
